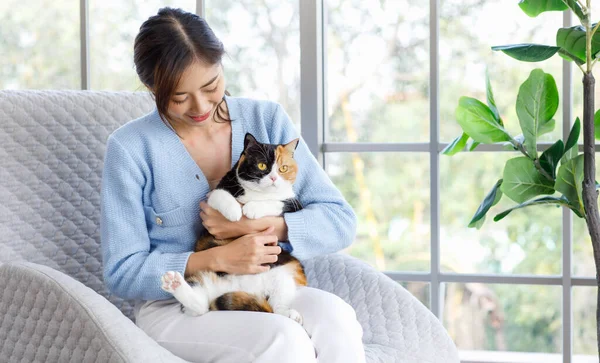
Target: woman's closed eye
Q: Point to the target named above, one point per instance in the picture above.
(179, 102)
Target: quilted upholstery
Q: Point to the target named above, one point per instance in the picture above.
(51, 157)
(51, 151)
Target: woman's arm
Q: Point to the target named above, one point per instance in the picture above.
(222, 228)
(327, 222)
(131, 270)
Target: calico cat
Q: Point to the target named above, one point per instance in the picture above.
(262, 182)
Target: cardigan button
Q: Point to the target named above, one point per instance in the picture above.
(159, 221)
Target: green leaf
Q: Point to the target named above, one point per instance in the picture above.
(546, 127)
(574, 134)
(573, 5)
(550, 158)
(571, 148)
(490, 98)
(473, 145)
(569, 154)
(537, 102)
(489, 201)
(478, 224)
(596, 126)
(457, 145)
(569, 181)
(540, 201)
(534, 8)
(570, 57)
(528, 52)
(479, 122)
(522, 181)
(573, 41)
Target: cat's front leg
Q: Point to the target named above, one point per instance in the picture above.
(194, 302)
(281, 292)
(259, 209)
(226, 204)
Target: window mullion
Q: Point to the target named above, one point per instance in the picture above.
(311, 74)
(84, 36)
(436, 302)
(567, 235)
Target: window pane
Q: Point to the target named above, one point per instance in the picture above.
(486, 318)
(40, 49)
(390, 195)
(262, 39)
(377, 70)
(113, 27)
(527, 241)
(584, 324)
(468, 29)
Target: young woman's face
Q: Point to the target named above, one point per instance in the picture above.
(197, 95)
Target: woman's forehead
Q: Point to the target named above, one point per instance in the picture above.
(196, 76)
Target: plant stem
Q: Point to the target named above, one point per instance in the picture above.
(589, 192)
(517, 145)
(590, 196)
(538, 166)
(595, 28)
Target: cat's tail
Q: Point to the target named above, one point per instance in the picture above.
(240, 300)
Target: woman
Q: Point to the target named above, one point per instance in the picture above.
(160, 167)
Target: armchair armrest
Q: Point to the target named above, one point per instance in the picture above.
(397, 327)
(47, 316)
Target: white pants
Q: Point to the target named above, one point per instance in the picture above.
(331, 333)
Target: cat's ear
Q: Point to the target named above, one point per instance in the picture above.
(291, 146)
(249, 140)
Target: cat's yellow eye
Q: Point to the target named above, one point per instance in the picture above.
(262, 166)
(283, 169)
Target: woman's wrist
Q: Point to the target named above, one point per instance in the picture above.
(201, 261)
(259, 225)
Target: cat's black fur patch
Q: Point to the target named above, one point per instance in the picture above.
(291, 205)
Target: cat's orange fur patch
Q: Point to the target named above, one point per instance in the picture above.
(299, 275)
(240, 300)
(284, 156)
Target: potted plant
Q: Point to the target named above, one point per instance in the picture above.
(559, 175)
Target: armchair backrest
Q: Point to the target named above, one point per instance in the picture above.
(51, 156)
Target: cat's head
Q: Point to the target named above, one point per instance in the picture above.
(267, 167)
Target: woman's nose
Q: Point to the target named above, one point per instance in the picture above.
(201, 105)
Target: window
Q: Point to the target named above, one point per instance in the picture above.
(39, 51)
(262, 41)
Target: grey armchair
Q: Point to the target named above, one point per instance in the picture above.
(54, 306)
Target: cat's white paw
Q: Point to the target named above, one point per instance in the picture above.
(292, 314)
(171, 281)
(256, 210)
(191, 303)
(226, 204)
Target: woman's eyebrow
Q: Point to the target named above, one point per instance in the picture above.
(207, 83)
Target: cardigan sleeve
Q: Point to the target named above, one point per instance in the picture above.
(129, 264)
(327, 222)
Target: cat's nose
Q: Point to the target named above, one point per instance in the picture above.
(273, 178)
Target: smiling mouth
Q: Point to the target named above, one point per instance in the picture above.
(201, 117)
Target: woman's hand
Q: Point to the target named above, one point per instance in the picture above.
(247, 254)
(222, 228)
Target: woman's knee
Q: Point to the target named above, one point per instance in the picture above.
(290, 343)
